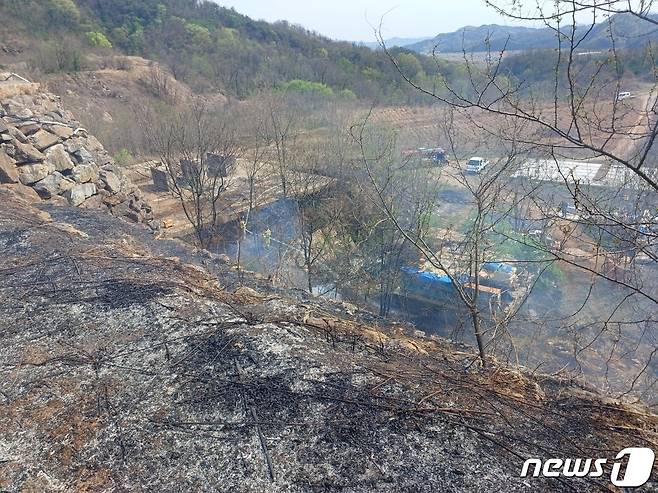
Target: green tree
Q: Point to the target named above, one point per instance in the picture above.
(409, 64)
(308, 87)
(199, 35)
(98, 40)
(64, 11)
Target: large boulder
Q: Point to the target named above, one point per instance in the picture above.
(8, 171)
(84, 173)
(24, 153)
(59, 158)
(42, 139)
(92, 144)
(32, 173)
(79, 193)
(28, 128)
(52, 185)
(76, 147)
(18, 135)
(24, 192)
(61, 131)
(111, 181)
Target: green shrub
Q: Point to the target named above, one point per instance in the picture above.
(308, 87)
(98, 40)
(123, 157)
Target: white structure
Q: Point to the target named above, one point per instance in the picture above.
(583, 172)
(476, 165)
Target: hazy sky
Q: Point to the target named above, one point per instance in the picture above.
(348, 19)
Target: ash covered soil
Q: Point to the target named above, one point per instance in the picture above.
(132, 364)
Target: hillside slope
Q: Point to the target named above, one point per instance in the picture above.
(124, 368)
(129, 363)
(207, 46)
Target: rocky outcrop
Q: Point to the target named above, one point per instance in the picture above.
(42, 146)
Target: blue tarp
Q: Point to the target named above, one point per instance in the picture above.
(427, 276)
(432, 277)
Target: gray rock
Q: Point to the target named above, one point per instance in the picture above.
(23, 191)
(127, 185)
(59, 158)
(79, 193)
(25, 153)
(82, 155)
(42, 139)
(32, 173)
(111, 167)
(115, 199)
(28, 128)
(53, 116)
(54, 184)
(104, 159)
(24, 113)
(84, 173)
(92, 144)
(111, 181)
(61, 131)
(8, 171)
(18, 135)
(76, 147)
(94, 202)
(3, 127)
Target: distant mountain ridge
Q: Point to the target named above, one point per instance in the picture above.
(628, 30)
(396, 42)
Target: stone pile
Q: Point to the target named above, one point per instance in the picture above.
(43, 147)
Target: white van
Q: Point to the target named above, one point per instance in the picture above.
(623, 95)
(476, 165)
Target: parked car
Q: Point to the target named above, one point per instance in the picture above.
(476, 165)
(623, 95)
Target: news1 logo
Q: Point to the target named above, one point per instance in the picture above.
(638, 468)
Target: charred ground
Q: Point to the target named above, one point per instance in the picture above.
(135, 364)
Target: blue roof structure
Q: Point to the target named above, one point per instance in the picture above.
(428, 276)
(433, 277)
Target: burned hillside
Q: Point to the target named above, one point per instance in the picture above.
(135, 364)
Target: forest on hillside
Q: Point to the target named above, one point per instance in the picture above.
(211, 47)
